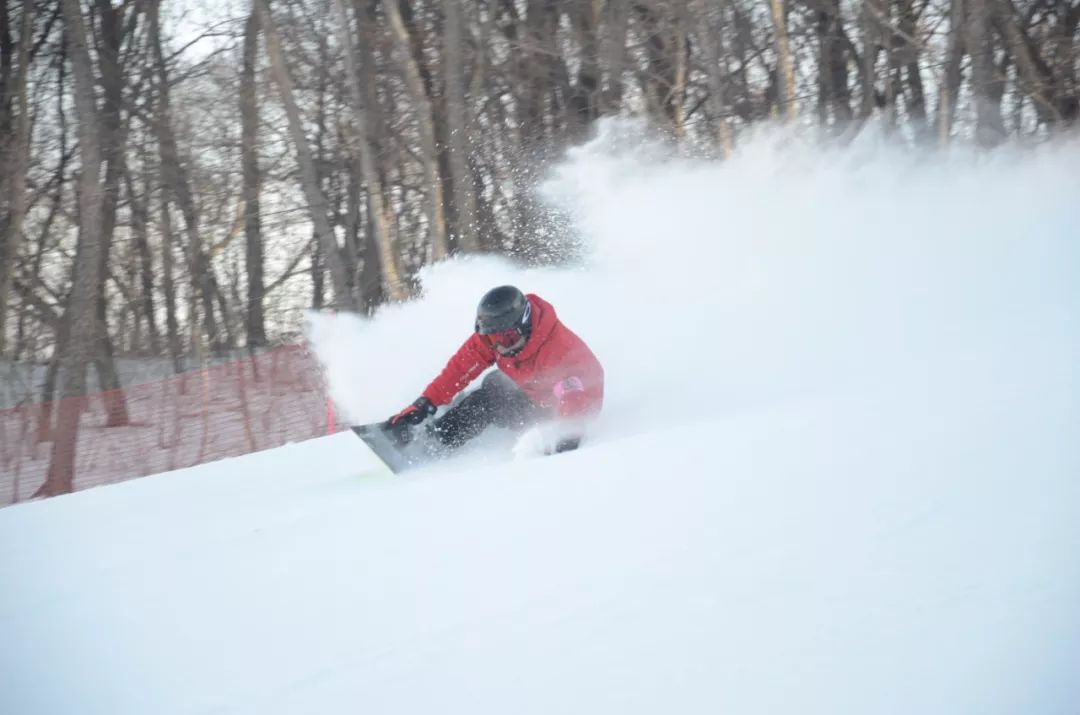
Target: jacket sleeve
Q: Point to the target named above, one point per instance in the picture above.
(471, 359)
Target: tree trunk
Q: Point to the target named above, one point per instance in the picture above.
(112, 155)
(710, 40)
(168, 285)
(380, 254)
(45, 429)
(179, 189)
(140, 222)
(532, 77)
(227, 321)
(662, 50)
(585, 100)
(868, 66)
(950, 76)
(989, 124)
(435, 210)
(317, 204)
(7, 134)
(834, 92)
(7, 60)
(440, 129)
(81, 311)
(617, 24)
(915, 93)
(373, 290)
(785, 68)
(748, 104)
(318, 274)
(682, 71)
(112, 391)
(1037, 77)
(892, 66)
(1065, 66)
(457, 118)
(249, 131)
(14, 167)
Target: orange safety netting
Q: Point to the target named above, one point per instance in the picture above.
(195, 417)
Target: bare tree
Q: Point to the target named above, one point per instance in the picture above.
(168, 284)
(613, 51)
(585, 94)
(113, 140)
(458, 126)
(989, 124)
(434, 207)
(140, 224)
(81, 313)
(665, 50)
(178, 188)
(340, 271)
(785, 67)
(907, 57)
(834, 93)
(1049, 75)
(950, 75)
(380, 257)
(15, 152)
(249, 119)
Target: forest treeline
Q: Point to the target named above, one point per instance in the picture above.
(179, 182)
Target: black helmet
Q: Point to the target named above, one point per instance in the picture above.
(504, 319)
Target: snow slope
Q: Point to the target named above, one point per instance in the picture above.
(843, 480)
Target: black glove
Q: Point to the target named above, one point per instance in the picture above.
(400, 425)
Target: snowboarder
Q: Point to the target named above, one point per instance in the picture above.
(545, 373)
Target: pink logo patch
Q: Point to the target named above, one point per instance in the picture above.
(570, 384)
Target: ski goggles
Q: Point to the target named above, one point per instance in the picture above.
(505, 340)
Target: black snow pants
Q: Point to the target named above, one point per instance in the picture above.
(498, 401)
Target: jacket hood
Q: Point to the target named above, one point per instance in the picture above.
(544, 321)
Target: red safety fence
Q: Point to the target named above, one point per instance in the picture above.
(197, 416)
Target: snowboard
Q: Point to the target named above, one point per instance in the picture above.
(396, 456)
(424, 448)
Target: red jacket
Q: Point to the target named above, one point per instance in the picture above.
(555, 369)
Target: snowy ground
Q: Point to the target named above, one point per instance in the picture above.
(837, 473)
